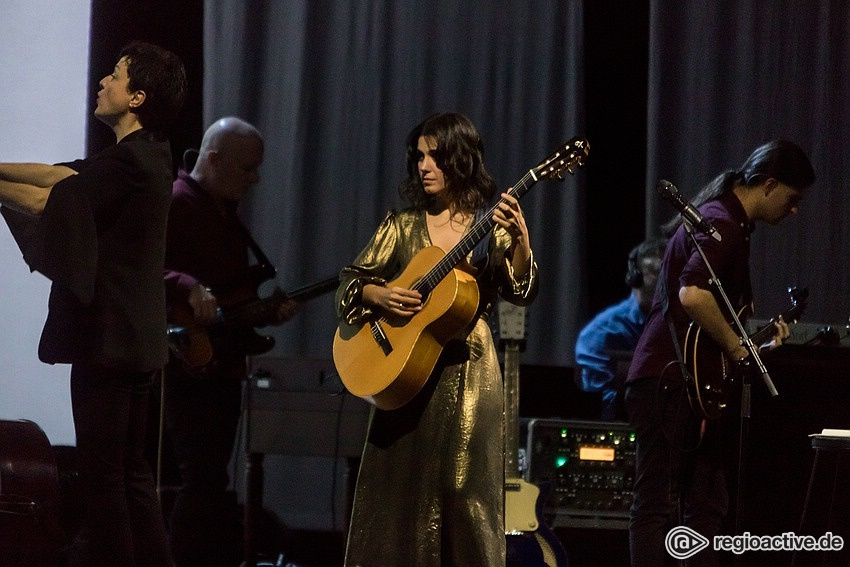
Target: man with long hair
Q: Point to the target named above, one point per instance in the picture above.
(680, 475)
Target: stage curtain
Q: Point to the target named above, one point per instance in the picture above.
(727, 76)
(335, 86)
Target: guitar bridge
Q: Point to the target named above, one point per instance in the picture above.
(380, 337)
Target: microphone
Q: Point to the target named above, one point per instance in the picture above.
(690, 214)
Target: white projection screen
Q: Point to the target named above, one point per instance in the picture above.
(44, 51)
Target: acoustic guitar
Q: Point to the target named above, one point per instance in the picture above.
(240, 311)
(714, 374)
(387, 360)
(529, 540)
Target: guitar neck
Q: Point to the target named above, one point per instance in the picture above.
(511, 393)
(790, 316)
(477, 233)
(251, 313)
(260, 311)
(762, 334)
(568, 157)
(314, 290)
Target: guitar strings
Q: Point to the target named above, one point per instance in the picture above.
(485, 224)
(462, 248)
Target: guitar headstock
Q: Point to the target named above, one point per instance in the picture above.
(512, 321)
(565, 159)
(799, 297)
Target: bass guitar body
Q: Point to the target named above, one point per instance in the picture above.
(197, 345)
(240, 310)
(387, 361)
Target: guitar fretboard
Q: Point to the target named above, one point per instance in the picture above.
(478, 231)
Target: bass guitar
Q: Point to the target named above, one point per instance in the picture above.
(387, 360)
(714, 374)
(529, 540)
(240, 311)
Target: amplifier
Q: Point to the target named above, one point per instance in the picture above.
(298, 406)
(588, 467)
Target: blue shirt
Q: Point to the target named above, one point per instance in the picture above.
(617, 328)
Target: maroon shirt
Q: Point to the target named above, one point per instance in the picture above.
(203, 245)
(683, 266)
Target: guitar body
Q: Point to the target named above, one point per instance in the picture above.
(390, 372)
(521, 505)
(387, 360)
(240, 310)
(528, 546)
(714, 375)
(197, 345)
(190, 342)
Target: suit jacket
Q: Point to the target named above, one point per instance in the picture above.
(101, 242)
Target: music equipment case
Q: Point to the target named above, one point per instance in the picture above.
(589, 467)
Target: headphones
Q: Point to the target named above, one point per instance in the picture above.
(634, 275)
(646, 249)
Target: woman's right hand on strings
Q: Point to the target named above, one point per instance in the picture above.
(395, 300)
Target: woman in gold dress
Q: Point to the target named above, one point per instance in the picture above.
(431, 480)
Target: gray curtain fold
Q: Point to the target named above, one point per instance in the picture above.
(727, 76)
(336, 86)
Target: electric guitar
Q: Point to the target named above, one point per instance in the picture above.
(714, 374)
(239, 311)
(388, 359)
(529, 541)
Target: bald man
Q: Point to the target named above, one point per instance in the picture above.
(208, 254)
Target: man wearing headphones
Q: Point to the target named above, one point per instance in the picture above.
(615, 331)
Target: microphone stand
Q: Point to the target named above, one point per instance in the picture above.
(746, 388)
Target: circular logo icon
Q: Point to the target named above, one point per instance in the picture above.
(683, 542)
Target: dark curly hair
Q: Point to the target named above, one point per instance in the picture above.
(161, 75)
(780, 159)
(460, 156)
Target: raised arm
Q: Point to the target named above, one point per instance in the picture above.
(25, 187)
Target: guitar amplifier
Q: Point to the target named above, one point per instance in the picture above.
(589, 468)
(298, 406)
(302, 434)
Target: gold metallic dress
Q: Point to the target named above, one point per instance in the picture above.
(430, 488)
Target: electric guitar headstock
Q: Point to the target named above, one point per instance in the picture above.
(799, 298)
(512, 322)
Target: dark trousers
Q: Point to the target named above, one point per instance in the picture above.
(679, 478)
(123, 523)
(202, 417)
